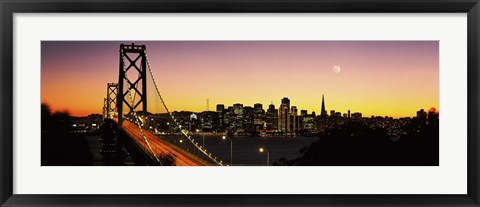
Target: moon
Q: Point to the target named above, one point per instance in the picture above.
(336, 69)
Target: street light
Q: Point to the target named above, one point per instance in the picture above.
(203, 137)
(261, 149)
(231, 148)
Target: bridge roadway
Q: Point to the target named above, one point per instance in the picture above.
(182, 157)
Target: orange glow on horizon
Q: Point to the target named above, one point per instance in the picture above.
(391, 78)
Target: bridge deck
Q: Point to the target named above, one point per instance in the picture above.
(160, 147)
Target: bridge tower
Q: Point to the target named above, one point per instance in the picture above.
(132, 57)
(105, 115)
(112, 93)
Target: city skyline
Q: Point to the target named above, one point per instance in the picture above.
(299, 109)
(404, 73)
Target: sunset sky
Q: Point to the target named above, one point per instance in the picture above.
(387, 78)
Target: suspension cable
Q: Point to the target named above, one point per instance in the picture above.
(201, 149)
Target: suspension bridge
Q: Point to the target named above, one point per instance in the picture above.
(122, 106)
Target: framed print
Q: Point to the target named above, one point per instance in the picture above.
(239, 103)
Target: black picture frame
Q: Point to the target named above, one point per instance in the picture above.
(9, 7)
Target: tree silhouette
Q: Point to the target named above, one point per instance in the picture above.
(59, 146)
(356, 144)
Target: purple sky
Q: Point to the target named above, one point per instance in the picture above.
(388, 78)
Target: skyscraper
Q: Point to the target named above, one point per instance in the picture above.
(220, 107)
(303, 112)
(259, 116)
(324, 112)
(248, 119)
(238, 113)
(286, 101)
(258, 107)
(272, 117)
(220, 110)
(422, 117)
(356, 115)
(283, 118)
(293, 119)
(238, 109)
